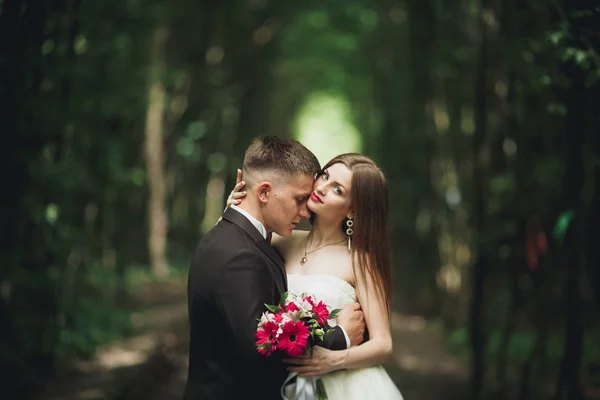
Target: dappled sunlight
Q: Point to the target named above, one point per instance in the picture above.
(324, 125)
(128, 366)
(134, 352)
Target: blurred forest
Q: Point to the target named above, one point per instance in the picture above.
(124, 122)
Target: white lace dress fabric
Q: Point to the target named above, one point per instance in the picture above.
(356, 384)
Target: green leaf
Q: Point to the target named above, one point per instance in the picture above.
(273, 309)
(284, 298)
(562, 224)
(580, 56)
(51, 213)
(333, 314)
(557, 36)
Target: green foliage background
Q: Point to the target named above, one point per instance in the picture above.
(484, 115)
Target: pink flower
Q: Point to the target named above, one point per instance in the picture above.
(291, 306)
(278, 317)
(322, 313)
(294, 338)
(266, 336)
(310, 300)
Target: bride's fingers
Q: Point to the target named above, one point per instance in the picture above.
(238, 186)
(238, 195)
(239, 177)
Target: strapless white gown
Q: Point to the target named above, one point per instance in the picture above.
(357, 384)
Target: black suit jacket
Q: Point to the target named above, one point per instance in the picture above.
(233, 273)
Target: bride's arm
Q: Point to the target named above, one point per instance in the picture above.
(379, 346)
(372, 352)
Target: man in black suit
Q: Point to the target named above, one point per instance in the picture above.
(235, 271)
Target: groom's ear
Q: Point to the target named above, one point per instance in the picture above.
(264, 191)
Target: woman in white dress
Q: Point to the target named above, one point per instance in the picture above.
(343, 259)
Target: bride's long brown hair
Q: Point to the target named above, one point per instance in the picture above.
(370, 205)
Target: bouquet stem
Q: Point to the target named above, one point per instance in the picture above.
(321, 392)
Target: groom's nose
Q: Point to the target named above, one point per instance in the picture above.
(304, 211)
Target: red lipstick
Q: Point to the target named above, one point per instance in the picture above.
(316, 198)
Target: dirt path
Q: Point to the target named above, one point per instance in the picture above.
(153, 365)
(421, 365)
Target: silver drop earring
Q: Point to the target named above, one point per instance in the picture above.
(349, 232)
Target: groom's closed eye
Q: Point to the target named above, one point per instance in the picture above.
(302, 199)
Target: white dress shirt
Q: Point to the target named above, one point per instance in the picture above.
(257, 224)
(263, 231)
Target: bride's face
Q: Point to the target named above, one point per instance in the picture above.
(331, 196)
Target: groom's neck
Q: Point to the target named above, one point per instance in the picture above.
(252, 209)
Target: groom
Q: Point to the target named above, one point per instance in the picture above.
(234, 272)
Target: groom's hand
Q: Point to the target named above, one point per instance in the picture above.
(352, 320)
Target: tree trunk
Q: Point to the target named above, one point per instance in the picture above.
(154, 145)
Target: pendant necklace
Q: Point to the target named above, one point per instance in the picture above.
(303, 260)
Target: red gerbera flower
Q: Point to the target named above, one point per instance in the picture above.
(291, 306)
(322, 313)
(266, 336)
(294, 338)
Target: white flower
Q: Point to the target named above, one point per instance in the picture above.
(290, 316)
(266, 317)
(291, 298)
(305, 306)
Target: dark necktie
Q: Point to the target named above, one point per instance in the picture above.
(269, 236)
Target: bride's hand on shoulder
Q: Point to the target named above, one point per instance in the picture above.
(236, 195)
(318, 361)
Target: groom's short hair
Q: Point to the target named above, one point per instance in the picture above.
(275, 157)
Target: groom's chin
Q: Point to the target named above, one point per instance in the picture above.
(285, 232)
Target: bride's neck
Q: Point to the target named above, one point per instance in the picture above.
(324, 232)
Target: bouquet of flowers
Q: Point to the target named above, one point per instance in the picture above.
(294, 326)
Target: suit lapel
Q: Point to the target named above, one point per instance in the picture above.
(273, 255)
(243, 222)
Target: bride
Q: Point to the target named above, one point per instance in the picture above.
(343, 259)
